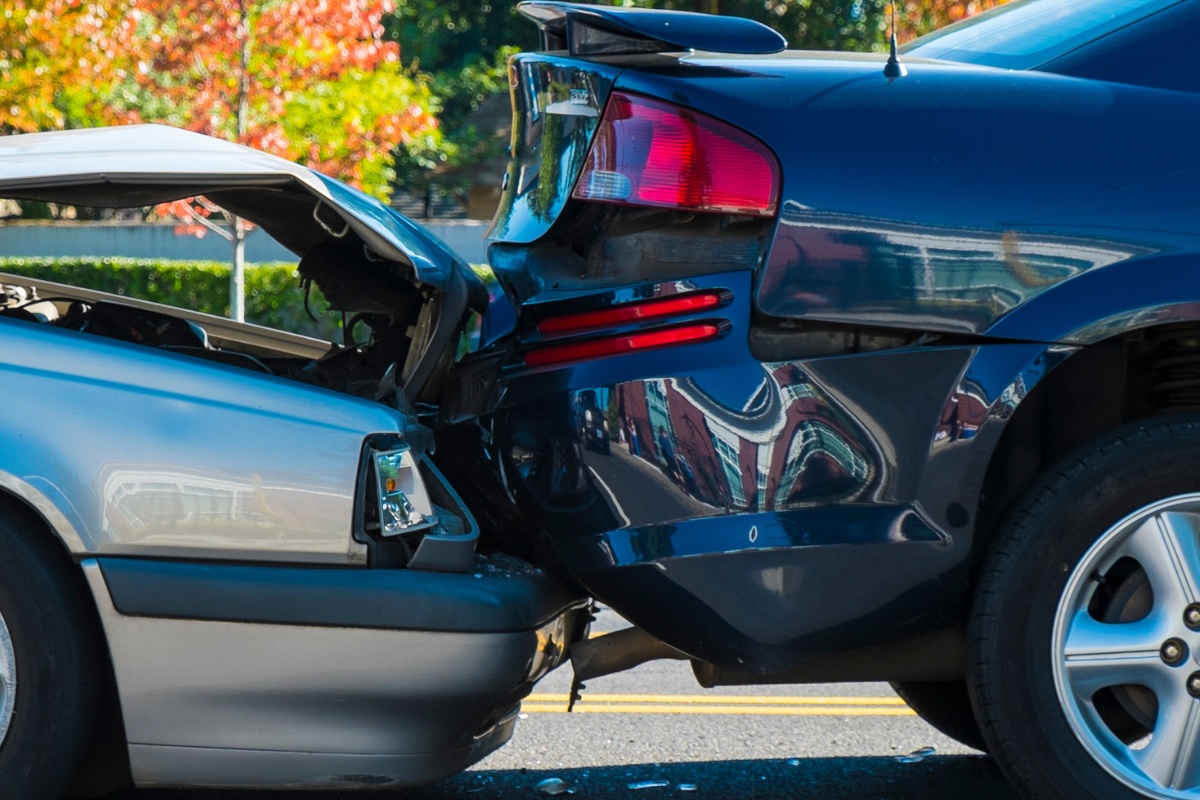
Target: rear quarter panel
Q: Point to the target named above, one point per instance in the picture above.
(946, 199)
(129, 450)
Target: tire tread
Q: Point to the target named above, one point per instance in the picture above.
(1020, 528)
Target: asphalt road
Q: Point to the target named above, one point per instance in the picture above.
(653, 726)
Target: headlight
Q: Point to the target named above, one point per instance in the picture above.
(404, 503)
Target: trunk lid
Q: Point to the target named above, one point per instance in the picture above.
(559, 95)
(367, 259)
(557, 102)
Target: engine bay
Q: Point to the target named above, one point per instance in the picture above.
(382, 315)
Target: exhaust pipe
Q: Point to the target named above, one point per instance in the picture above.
(615, 652)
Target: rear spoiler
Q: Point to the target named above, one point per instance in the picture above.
(588, 30)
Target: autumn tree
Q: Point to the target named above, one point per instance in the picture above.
(313, 82)
(53, 55)
(918, 18)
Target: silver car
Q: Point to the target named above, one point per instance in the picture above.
(225, 559)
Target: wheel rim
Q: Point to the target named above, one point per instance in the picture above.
(1127, 649)
(8, 679)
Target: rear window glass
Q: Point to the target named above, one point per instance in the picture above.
(1028, 33)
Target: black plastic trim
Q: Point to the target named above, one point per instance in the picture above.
(562, 25)
(501, 595)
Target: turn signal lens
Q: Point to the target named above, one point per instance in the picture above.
(632, 312)
(647, 152)
(404, 503)
(617, 345)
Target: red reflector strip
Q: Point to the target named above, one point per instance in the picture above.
(634, 312)
(616, 345)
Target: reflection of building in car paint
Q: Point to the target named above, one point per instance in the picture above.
(972, 404)
(965, 411)
(787, 447)
(156, 505)
(590, 417)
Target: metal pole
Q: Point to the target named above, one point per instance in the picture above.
(237, 276)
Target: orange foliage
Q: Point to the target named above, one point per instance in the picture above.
(314, 80)
(916, 18)
(48, 48)
(190, 57)
(189, 52)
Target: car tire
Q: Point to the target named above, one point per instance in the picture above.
(48, 664)
(1084, 641)
(946, 705)
(105, 767)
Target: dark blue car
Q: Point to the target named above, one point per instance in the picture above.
(901, 356)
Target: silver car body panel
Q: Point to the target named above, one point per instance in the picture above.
(260, 705)
(176, 456)
(40, 503)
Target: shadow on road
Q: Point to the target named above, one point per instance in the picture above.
(877, 778)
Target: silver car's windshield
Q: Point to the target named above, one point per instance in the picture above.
(1028, 33)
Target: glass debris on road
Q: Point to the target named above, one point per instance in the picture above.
(553, 787)
(916, 756)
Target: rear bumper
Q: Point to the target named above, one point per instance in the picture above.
(158, 765)
(763, 593)
(286, 677)
(754, 514)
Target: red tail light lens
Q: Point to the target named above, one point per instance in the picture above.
(632, 312)
(616, 345)
(647, 152)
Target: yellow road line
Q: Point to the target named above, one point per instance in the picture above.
(795, 711)
(721, 704)
(721, 699)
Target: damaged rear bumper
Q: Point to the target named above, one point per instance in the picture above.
(275, 677)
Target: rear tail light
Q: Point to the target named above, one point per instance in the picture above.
(651, 153)
(403, 500)
(632, 312)
(618, 345)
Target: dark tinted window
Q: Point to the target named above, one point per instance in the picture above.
(1028, 33)
(1159, 52)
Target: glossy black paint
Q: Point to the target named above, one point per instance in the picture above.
(999, 187)
(737, 494)
(754, 513)
(549, 139)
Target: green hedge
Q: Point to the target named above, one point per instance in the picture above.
(273, 294)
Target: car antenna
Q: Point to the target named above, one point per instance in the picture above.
(893, 68)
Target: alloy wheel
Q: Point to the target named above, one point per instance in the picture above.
(1127, 649)
(8, 678)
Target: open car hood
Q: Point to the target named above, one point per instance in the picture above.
(142, 165)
